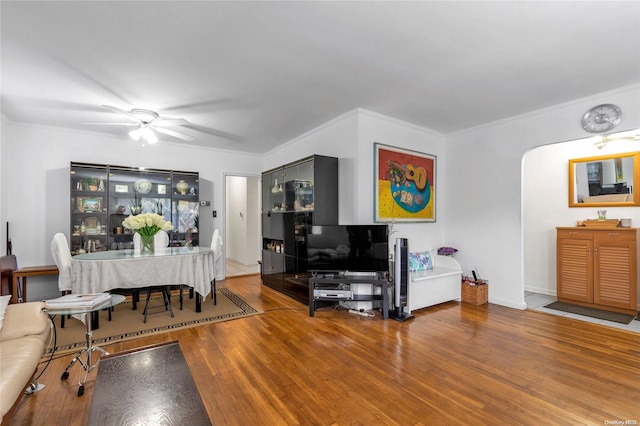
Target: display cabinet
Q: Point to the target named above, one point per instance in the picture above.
(295, 196)
(89, 207)
(102, 196)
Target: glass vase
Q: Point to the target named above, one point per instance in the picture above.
(147, 244)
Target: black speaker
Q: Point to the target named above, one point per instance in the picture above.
(400, 280)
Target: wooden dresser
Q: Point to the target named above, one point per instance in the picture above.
(598, 267)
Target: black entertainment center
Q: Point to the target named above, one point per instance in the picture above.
(328, 288)
(305, 253)
(340, 256)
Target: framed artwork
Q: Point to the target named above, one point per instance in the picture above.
(89, 204)
(122, 188)
(618, 163)
(162, 189)
(405, 185)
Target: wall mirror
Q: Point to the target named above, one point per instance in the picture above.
(605, 181)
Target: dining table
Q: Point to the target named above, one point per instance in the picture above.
(130, 269)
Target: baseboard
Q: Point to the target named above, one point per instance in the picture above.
(542, 290)
(521, 306)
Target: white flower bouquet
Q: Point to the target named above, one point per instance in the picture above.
(147, 224)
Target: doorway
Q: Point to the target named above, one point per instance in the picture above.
(242, 224)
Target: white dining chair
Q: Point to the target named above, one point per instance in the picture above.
(216, 246)
(160, 241)
(62, 258)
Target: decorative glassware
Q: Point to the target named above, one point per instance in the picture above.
(182, 187)
(602, 214)
(147, 244)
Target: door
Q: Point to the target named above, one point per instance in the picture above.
(615, 269)
(575, 269)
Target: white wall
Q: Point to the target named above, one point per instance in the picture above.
(242, 219)
(350, 137)
(546, 205)
(336, 138)
(36, 164)
(480, 199)
(484, 216)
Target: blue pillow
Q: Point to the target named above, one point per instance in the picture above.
(420, 261)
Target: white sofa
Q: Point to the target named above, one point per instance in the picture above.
(24, 334)
(438, 285)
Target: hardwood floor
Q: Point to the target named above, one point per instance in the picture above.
(453, 364)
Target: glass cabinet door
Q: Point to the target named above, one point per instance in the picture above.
(185, 209)
(272, 191)
(299, 186)
(131, 192)
(88, 208)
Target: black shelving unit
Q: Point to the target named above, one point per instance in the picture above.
(329, 283)
(102, 196)
(295, 196)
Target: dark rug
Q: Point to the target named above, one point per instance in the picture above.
(591, 312)
(152, 385)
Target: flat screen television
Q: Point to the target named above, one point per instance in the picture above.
(348, 248)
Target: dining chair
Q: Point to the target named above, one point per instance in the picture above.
(62, 258)
(160, 242)
(216, 247)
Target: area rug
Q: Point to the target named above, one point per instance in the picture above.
(127, 324)
(591, 312)
(148, 386)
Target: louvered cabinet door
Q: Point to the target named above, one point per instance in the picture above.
(615, 269)
(575, 268)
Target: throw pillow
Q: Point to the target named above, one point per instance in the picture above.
(4, 302)
(420, 261)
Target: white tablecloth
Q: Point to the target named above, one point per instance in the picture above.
(106, 270)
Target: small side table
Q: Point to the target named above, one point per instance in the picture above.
(29, 271)
(87, 364)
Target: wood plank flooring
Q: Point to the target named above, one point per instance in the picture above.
(453, 364)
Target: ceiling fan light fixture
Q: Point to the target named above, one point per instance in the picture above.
(145, 133)
(144, 115)
(136, 134)
(149, 135)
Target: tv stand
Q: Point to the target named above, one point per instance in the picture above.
(333, 287)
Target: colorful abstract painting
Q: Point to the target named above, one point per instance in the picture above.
(405, 185)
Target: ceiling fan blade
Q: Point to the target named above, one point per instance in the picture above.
(173, 133)
(118, 110)
(170, 122)
(116, 124)
(214, 132)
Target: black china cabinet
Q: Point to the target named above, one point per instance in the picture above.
(295, 196)
(102, 196)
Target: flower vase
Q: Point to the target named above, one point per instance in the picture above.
(147, 244)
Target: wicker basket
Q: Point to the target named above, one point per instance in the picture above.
(476, 293)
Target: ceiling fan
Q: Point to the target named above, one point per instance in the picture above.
(147, 123)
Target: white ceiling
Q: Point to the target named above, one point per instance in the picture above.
(252, 75)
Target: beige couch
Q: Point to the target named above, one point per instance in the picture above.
(24, 334)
